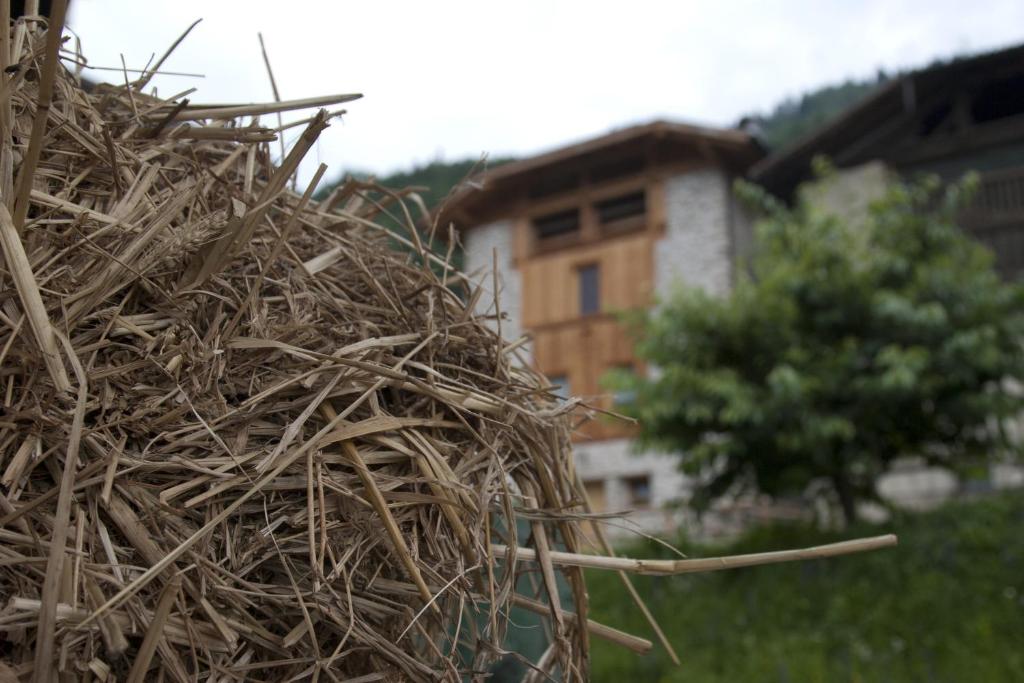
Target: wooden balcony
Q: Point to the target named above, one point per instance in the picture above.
(996, 218)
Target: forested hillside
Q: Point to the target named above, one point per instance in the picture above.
(436, 178)
(790, 119)
(795, 116)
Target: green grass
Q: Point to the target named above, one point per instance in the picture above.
(946, 605)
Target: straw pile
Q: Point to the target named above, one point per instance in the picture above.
(241, 437)
(244, 439)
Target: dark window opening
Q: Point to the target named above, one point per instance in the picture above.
(557, 224)
(628, 207)
(639, 491)
(590, 289)
(999, 100)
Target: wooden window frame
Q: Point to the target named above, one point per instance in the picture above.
(585, 200)
(627, 224)
(559, 240)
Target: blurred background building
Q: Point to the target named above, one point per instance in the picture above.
(948, 119)
(585, 232)
(594, 229)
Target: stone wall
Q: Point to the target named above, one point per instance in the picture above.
(614, 462)
(697, 248)
(848, 192)
(480, 245)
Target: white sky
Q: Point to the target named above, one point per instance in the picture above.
(457, 79)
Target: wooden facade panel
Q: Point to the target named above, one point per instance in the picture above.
(583, 353)
(549, 290)
(627, 274)
(610, 347)
(582, 348)
(521, 241)
(551, 282)
(556, 352)
(657, 209)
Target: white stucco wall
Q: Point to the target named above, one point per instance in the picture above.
(697, 248)
(480, 245)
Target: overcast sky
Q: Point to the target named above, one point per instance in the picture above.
(457, 79)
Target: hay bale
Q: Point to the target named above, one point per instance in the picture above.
(242, 437)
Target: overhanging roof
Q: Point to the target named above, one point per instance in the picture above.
(783, 170)
(733, 147)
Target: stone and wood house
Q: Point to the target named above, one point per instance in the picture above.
(584, 232)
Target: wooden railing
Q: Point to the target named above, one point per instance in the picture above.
(996, 218)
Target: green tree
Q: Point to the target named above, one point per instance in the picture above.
(847, 344)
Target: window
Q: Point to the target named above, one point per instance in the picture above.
(639, 489)
(626, 212)
(557, 225)
(590, 289)
(561, 386)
